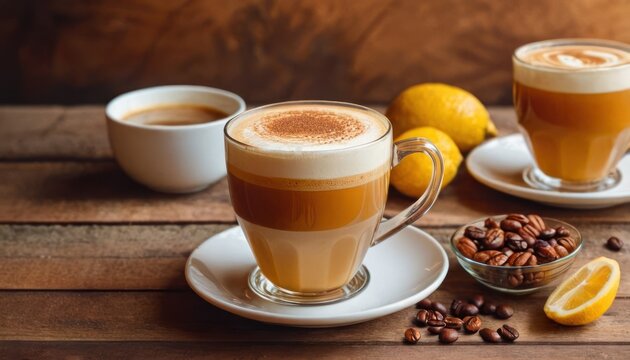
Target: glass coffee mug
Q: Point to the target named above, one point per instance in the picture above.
(572, 99)
(308, 181)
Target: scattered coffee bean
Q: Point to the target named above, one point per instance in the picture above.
(423, 316)
(488, 308)
(448, 336)
(508, 333)
(453, 322)
(467, 310)
(424, 304)
(436, 323)
(465, 317)
(436, 315)
(614, 243)
(438, 306)
(472, 324)
(504, 311)
(412, 336)
(489, 335)
(476, 300)
(455, 305)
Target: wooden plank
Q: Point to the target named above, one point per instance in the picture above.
(364, 51)
(248, 350)
(79, 132)
(183, 316)
(153, 257)
(103, 241)
(53, 132)
(97, 257)
(99, 192)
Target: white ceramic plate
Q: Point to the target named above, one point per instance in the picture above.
(403, 270)
(499, 164)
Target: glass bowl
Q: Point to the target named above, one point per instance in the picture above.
(517, 279)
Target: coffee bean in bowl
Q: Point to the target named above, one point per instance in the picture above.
(516, 253)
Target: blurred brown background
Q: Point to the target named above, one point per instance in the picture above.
(73, 51)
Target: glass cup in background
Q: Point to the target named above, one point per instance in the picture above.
(310, 216)
(573, 107)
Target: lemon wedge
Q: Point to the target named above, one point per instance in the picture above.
(586, 295)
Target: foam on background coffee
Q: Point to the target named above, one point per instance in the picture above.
(579, 69)
(316, 142)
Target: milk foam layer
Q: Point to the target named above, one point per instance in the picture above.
(577, 57)
(573, 68)
(307, 128)
(310, 141)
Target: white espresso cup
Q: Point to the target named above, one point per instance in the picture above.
(167, 158)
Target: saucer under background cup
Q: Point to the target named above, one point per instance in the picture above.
(499, 164)
(403, 270)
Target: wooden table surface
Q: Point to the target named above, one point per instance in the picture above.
(91, 263)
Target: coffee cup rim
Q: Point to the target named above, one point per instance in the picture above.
(176, 88)
(309, 102)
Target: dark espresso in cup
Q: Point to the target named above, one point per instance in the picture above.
(175, 115)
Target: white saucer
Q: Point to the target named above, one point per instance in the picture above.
(499, 164)
(403, 270)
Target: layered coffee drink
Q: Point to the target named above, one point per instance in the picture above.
(572, 98)
(308, 183)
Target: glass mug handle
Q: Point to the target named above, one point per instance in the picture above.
(423, 204)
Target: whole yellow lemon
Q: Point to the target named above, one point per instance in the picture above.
(411, 176)
(448, 108)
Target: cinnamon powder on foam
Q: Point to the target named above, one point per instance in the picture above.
(310, 126)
